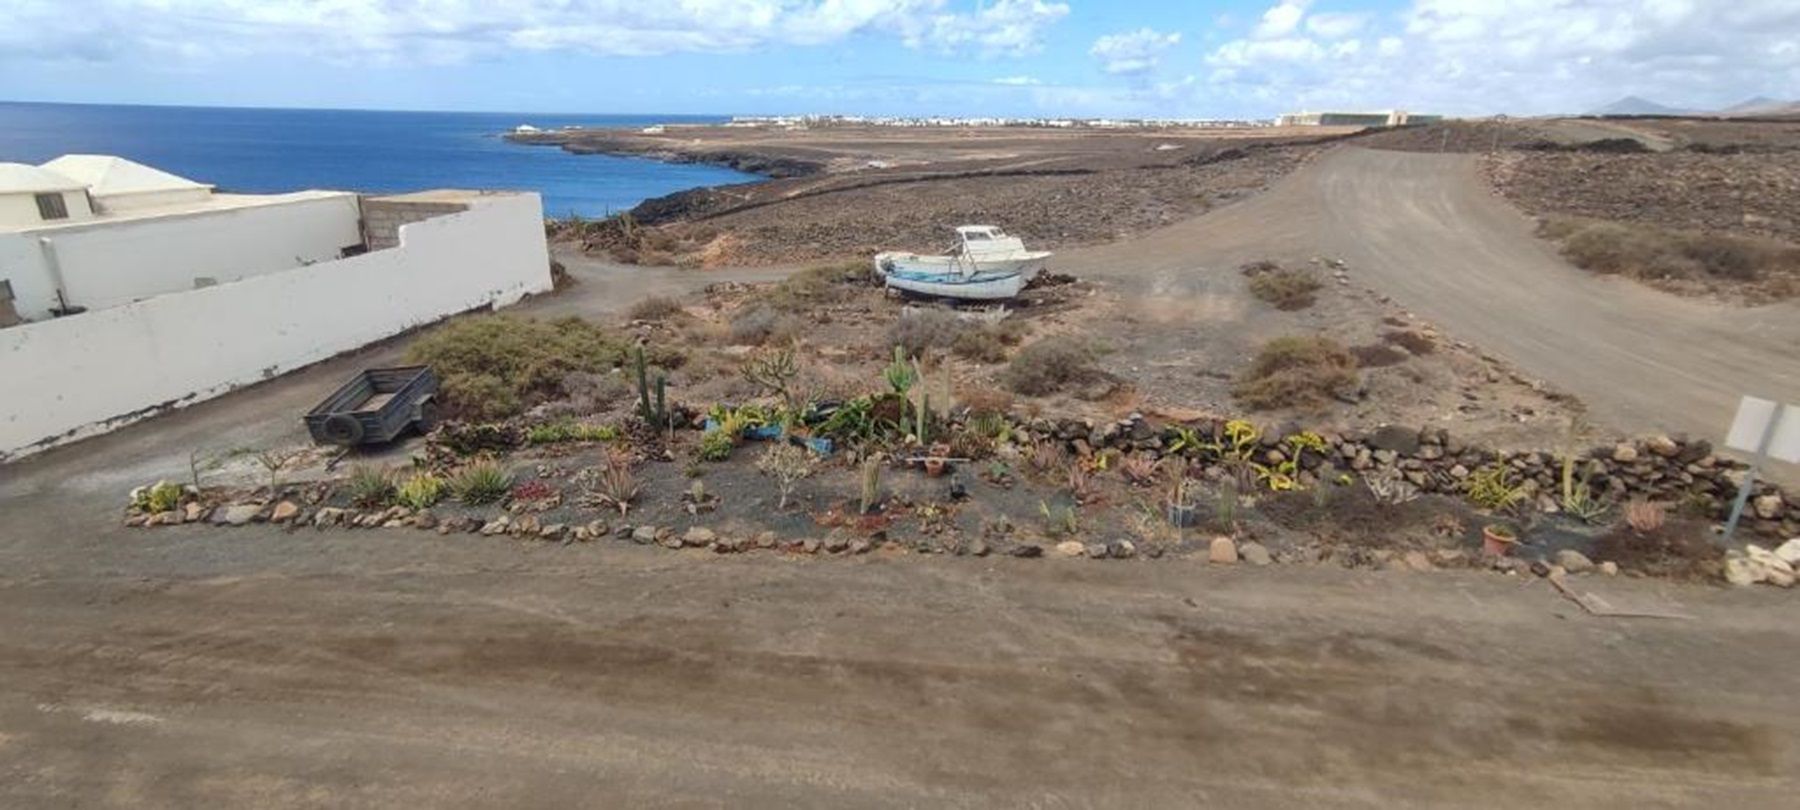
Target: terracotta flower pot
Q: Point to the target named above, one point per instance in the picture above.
(938, 460)
(1497, 541)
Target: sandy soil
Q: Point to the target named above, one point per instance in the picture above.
(1424, 230)
(848, 191)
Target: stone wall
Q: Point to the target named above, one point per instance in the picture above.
(383, 216)
(1672, 470)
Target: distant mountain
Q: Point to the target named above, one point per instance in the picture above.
(1762, 105)
(1632, 105)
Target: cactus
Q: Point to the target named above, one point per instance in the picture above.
(871, 483)
(657, 416)
(924, 417)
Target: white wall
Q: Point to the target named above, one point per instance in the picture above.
(109, 262)
(77, 376)
(140, 200)
(22, 263)
(19, 209)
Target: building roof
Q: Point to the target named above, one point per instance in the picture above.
(25, 178)
(107, 175)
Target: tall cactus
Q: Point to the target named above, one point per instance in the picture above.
(658, 415)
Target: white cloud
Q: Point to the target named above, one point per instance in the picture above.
(1019, 81)
(1521, 56)
(383, 31)
(1335, 26)
(1000, 28)
(1281, 19)
(1132, 53)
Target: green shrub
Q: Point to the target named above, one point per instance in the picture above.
(496, 366)
(570, 431)
(419, 491)
(370, 487)
(1282, 287)
(1050, 365)
(1296, 372)
(159, 497)
(1492, 487)
(716, 445)
(480, 483)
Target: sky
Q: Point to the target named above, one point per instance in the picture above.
(1089, 58)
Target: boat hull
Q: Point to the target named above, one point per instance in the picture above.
(1023, 263)
(983, 286)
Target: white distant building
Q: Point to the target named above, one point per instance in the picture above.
(1388, 118)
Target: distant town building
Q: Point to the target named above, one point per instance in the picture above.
(1391, 118)
(804, 121)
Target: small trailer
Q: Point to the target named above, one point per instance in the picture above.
(376, 406)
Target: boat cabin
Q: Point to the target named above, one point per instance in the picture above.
(975, 240)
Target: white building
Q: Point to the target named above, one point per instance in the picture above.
(125, 290)
(87, 232)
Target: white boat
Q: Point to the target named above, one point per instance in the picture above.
(985, 264)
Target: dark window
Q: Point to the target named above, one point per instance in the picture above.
(51, 206)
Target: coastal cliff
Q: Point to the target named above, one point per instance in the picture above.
(632, 144)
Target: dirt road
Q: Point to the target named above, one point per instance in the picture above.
(191, 667)
(1423, 229)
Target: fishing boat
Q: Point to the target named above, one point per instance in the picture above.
(985, 264)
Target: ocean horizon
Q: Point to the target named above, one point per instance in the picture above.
(266, 150)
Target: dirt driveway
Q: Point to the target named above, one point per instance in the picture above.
(1423, 229)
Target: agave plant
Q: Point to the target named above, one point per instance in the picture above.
(1141, 470)
(613, 483)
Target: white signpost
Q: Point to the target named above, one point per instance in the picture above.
(1768, 429)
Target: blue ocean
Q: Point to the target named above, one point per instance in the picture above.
(277, 150)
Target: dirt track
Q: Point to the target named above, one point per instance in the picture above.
(1423, 229)
(191, 667)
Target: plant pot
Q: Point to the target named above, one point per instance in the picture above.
(1497, 541)
(1183, 517)
(765, 432)
(938, 460)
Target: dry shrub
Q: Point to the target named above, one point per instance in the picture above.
(1282, 287)
(1378, 355)
(496, 366)
(918, 330)
(1644, 516)
(1050, 365)
(587, 393)
(759, 324)
(1296, 372)
(814, 287)
(983, 400)
(655, 308)
(1417, 343)
(987, 342)
(1652, 254)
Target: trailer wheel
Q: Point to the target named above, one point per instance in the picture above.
(342, 428)
(427, 418)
